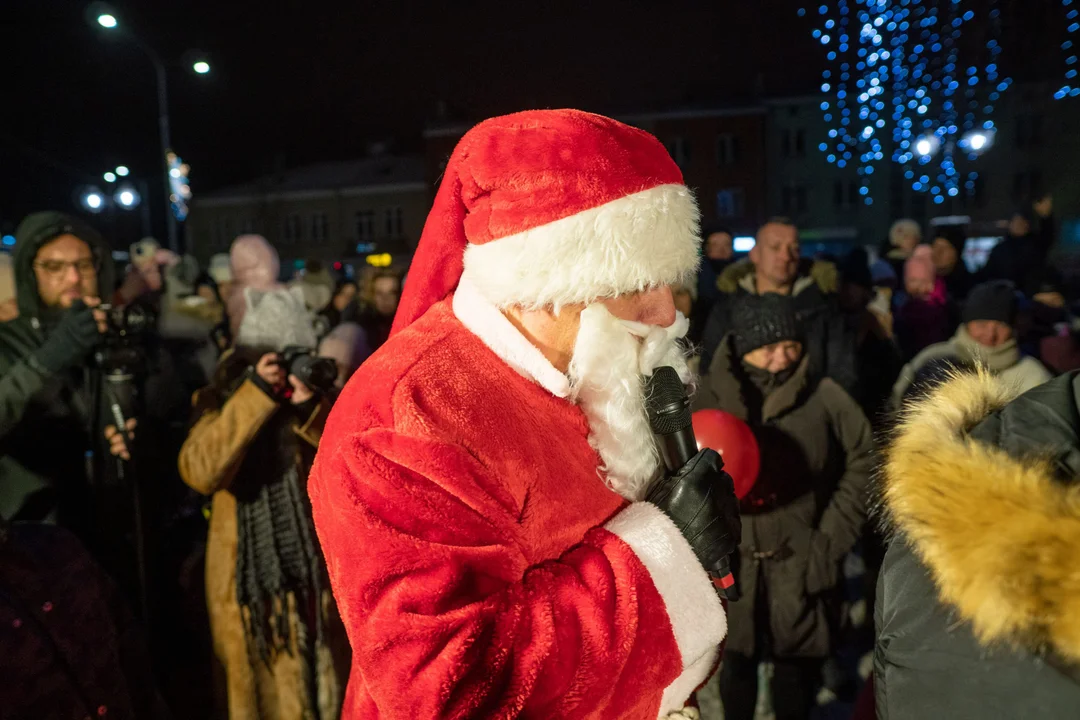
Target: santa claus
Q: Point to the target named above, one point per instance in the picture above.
(499, 535)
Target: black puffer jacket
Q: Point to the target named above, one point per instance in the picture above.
(46, 421)
(978, 612)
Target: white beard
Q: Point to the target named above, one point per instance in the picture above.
(607, 372)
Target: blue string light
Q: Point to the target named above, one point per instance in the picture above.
(1069, 88)
(900, 75)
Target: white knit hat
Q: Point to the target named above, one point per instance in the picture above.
(275, 319)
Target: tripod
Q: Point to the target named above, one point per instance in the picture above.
(122, 372)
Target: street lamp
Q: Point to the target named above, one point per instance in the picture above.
(127, 197)
(106, 17)
(92, 200)
(122, 170)
(110, 177)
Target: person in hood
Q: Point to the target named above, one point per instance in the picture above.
(273, 622)
(55, 434)
(254, 263)
(924, 314)
(987, 337)
(1021, 257)
(774, 266)
(802, 516)
(978, 611)
(947, 254)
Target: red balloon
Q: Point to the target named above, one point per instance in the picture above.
(735, 441)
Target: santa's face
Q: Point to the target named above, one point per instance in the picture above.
(619, 343)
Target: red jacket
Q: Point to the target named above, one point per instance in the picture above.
(481, 565)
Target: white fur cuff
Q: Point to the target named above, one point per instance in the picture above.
(694, 610)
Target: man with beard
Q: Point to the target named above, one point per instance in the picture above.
(488, 494)
(54, 431)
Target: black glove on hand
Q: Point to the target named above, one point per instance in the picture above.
(72, 339)
(700, 499)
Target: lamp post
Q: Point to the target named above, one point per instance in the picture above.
(103, 15)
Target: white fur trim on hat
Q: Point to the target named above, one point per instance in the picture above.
(643, 240)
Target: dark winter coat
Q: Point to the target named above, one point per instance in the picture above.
(48, 423)
(828, 338)
(807, 508)
(978, 606)
(70, 647)
(1023, 259)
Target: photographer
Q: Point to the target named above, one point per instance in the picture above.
(256, 429)
(54, 431)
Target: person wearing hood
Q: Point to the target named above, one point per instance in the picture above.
(253, 263)
(978, 611)
(774, 266)
(1021, 256)
(924, 314)
(55, 435)
(272, 619)
(947, 254)
(987, 336)
(804, 513)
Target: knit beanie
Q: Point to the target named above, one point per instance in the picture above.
(761, 320)
(255, 264)
(275, 319)
(994, 300)
(855, 268)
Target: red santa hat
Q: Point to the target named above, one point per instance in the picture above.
(552, 207)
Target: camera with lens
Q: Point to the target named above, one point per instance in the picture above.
(128, 324)
(317, 373)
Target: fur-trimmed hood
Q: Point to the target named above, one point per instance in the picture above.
(984, 488)
(821, 273)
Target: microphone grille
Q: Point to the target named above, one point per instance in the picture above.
(666, 402)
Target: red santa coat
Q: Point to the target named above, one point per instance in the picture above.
(481, 565)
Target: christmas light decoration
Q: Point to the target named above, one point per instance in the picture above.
(179, 190)
(907, 54)
(1072, 17)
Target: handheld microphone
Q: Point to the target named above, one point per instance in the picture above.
(669, 415)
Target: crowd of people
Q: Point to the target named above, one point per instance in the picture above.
(158, 428)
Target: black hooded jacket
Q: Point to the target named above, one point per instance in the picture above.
(46, 421)
(978, 605)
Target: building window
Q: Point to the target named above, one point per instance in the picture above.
(853, 194)
(394, 219)
(730, 203)
(679, 149)
(793, 199)
(1029, 130)
(793, 143)
(294, 228)
(973, 197)
(320, 227)
(1026, 185)
(727, 150)
(365, 226)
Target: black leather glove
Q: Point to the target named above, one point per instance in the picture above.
(71, 341)
(700, 499)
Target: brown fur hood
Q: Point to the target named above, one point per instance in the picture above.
(999, 531)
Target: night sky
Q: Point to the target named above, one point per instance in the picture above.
(295, 82)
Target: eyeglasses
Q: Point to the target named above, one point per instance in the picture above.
(55, 268)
